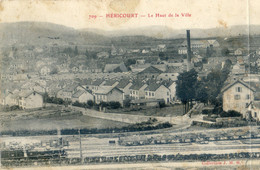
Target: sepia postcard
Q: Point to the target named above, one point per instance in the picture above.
(130, 84)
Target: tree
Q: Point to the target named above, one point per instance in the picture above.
(90, 103)
(225, 51)
(201, 92)
(129, 62)
(185, 88)
(76, 52)
(162, 56)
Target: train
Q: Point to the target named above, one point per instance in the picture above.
(21, 154)
(188, 138)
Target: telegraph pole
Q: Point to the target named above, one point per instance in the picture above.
(80, 147)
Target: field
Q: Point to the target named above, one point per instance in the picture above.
(176, 110)
(51, 119)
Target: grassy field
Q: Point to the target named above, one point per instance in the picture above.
(50, 119)
(176, 110)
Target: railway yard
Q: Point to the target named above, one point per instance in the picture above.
(195, 145)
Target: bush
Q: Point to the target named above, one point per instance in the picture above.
(114, 105)
(90, 103)
(207, 111)
(162, 104)
(231, 113)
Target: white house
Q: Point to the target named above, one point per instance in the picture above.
(157, 91)
(171, 85)
(67, 92)
(125, 85)
(94, 85)
(254, 110)
(237, 96)
(238, 69)
(238, 51)
(82, 96)
(109, 94)
(10, 99)
(137, 91)
(30, 100)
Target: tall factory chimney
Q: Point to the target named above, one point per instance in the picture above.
(188, 51)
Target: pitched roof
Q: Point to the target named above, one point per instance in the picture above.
(137, 85)
(71, 87)
(235, 82)
(106, 90)
(151, 69)
(255, 104)
(26, 93)
(167, 83)
(153, 87)
(79, 93)
(97, 82)
(110, 82)
(115, 67)
(123, 83)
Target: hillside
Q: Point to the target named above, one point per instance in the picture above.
(37, 33)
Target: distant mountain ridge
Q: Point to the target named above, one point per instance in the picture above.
(41, 33)
(163, 32)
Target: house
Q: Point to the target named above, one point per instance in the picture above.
(30, 100)
(11, 98)
(115, 68)
(171, 85)
(82, 96)
(237, 95)
(110, 83)
(182, 50)
(238, 51)
(124, 85)
(238, 69)
(161, 47)
(201, 43)
(150, 72)
(162, 67)
(157, 91)
(109, 94)
(67, 92)
(168, 76)
(138, 67)
(137, 90)
(94, 85)
(254, 110)
(141, 61)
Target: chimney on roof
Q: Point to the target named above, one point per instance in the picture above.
(188, 51)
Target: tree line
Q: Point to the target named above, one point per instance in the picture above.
(190, 87)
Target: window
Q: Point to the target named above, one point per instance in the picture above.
(247, 96)
(152, 94)
(130, 92)
(149, 93)
(167, 93)
(255, 114)
(146, 93)
(237, 97)
(133, 92)
(239, 89)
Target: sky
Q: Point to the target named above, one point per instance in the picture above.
(76, 13)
